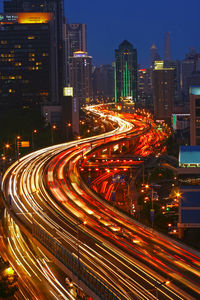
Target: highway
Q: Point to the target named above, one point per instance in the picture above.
(46, 189)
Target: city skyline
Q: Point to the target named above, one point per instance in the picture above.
(141, 27)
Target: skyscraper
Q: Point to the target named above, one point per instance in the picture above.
(28, 60)
(75, 40)
(154, 55)
(163, 91)
(81, 76)
(167, 46)
(57, 8)
(125, 72)
(190, 68)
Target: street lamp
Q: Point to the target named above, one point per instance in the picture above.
(53, 127)
(33, 133)
(6, 147)
(68, 125)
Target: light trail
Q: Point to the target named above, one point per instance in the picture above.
(45, 171)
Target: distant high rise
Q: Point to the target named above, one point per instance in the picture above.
(167, 46)
(57, 8)
(154, 55)
(177, 89)
(190, 68)
(194, 115)
(103, 81)
(81, 76)
(75, 40)
(125, 72)
(144, 89)
(163, 91)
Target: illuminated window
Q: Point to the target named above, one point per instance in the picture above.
(31, 37)
(4, 42)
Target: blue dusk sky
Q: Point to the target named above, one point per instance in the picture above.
(141, 22)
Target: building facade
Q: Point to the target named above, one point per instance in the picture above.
(75, 40)
(195, 115)
(103, 82)
(28, 60)
(154, 55)
(125, 72)
(80, 75)
(56, 7)
(70, 113)
(167, 46)
(163, 91)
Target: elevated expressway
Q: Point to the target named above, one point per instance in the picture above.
(104, 251)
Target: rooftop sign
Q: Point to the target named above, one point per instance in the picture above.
(26, 18)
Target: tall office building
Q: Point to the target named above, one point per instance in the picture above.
(28, 60)
(125, 72)
(57, 8)
(154, 55)
(75, 40)
(167, 46)
(190, 68)
(177, 73)
(195, 115)
(81, 77)
(163, 91)
(144, 88)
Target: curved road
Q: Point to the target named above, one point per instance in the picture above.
(45, 188)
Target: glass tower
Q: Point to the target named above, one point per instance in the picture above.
(125, 72)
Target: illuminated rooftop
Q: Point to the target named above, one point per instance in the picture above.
(195, 90)
(26, 18)
(189, 156)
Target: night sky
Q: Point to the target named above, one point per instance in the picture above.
(142, 22)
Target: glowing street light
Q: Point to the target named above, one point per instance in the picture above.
(35, 131)
(53, 128)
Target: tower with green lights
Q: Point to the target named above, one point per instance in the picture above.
(125, 72)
